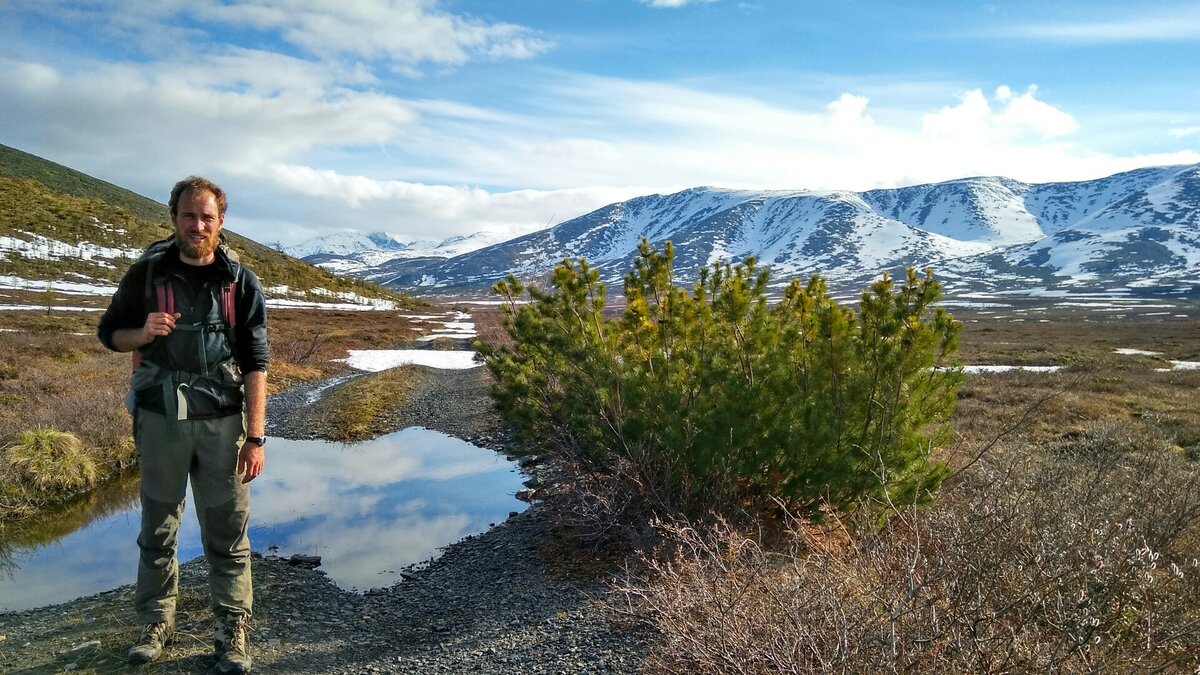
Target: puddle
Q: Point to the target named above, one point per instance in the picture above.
(367, 509)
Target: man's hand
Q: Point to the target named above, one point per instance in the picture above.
(158, 324)
(251, 460)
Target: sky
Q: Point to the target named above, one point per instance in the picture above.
(435, 118)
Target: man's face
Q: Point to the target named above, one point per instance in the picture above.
(197, 225)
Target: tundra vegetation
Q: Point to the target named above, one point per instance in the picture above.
(802, 495)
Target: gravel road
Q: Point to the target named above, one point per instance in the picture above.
(506, 601)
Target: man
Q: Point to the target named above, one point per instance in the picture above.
(198, 401)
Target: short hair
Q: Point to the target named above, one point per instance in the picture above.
(196, 184)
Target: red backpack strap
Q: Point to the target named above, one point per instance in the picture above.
(165, 293)
(228, 291)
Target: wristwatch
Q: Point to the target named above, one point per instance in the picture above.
(257, 440)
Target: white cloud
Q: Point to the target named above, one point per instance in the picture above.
(974, 121)
(407, 31)
(231, 105)
(673, 4)
(328, 199)
(1181, 132)
(1145, 24)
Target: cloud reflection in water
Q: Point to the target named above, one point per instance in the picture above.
(371, 508)
(368, 509)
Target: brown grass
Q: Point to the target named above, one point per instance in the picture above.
(1080, 557)
(362, 408)
(67, 382)
(489, 324)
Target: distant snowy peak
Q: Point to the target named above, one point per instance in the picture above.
(990, 209)
(371, 255)
(343, 244)
(459, 245)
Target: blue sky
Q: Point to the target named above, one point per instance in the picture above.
(432, 118)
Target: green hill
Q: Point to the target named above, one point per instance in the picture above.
(84, 225)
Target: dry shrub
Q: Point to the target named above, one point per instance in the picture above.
(296, 349)
(1085, 558)
(489, 326)
(605, 513)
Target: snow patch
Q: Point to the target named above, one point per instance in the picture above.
(1005, 369)
(375, 360)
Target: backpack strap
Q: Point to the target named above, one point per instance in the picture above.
(159, 291)
(228, 293)
(165, 293)
(229, 306)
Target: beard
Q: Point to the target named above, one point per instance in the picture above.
(201, 250)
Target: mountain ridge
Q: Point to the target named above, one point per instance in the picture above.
(1139, 228)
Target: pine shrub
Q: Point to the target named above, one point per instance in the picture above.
(715, 395)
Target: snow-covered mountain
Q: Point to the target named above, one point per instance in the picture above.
(343, 244)
(1136, 229)
(360, 254)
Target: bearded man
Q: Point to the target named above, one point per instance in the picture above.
(198, 400)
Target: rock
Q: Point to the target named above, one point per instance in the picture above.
(301, 560)
(82, 650)
(529, 460)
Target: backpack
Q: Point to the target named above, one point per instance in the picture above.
(163, 293)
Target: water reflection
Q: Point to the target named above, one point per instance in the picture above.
(368, 510)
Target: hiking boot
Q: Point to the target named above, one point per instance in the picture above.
(229, 640)
(149, 646)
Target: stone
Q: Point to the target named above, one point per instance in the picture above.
(82, 650)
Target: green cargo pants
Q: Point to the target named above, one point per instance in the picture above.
(169, 452)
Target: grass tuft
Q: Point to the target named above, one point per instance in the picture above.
(361, 408)
(48, 459)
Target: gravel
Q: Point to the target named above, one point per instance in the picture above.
(511, 600)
